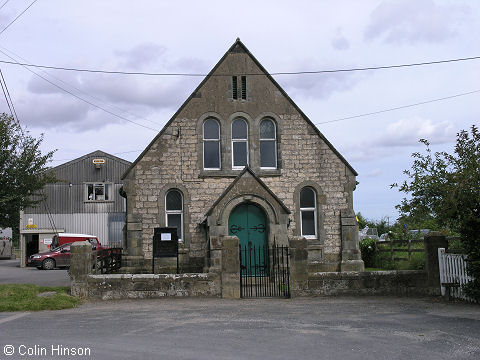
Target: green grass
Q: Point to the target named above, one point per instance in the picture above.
(23, 297)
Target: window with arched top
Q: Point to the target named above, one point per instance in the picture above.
(239, 143)
(268, 144)
(308, 213)
(211, 145)
(174, 211)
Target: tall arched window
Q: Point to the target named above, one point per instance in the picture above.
(268, 144)
(174, 211)
(211, 145)
(308, 213)
(239, 143)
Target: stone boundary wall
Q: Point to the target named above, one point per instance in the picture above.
(143, 286)
(223, 277)
(401, 283)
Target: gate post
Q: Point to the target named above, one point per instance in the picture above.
(230, 267)
(80, 268)
(298, 265)
(433, 241)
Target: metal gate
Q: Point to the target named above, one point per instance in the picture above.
(264, 272)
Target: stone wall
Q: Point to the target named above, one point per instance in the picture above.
(401, 283)
(223, 278)
(142, 286)
(174, 160)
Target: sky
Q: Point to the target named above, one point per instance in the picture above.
(80, 112)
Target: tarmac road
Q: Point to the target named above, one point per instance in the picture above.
(12, 273)
(303, 328)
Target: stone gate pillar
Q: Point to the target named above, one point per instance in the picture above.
(80, 268)
(230, 267)
(433, 241)
(351, 256)
(298, 265)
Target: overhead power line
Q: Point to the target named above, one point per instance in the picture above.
(349, 117)
(23, 12)
(6, 98)
(10, 98)
(80, 90)
(84, 100)
(5, 3)
(115, 153)
(398, 107)
(249, 74)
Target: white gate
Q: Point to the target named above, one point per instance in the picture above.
(453, 274)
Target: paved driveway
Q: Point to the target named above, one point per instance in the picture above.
(12, 273)
(307, 328)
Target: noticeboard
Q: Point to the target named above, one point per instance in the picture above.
(165, 242)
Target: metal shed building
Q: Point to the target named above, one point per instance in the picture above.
(85, 200)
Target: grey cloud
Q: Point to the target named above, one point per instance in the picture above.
(407, 132)
(155, 93)
(150, 91)
(374, 173)
(318, 85)
(52, 111)
(141, 55)
(340, 42)
(37, 85)
(413, 21)
(400, 134)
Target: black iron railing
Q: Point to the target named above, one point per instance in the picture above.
(264, 271)
(107, 261)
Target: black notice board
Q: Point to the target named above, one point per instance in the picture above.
(165, 244)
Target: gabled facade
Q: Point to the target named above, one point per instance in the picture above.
(85, 200)
(240, 158)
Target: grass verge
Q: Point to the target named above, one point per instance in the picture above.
(24, 297)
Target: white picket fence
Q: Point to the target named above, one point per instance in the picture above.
(453, 273)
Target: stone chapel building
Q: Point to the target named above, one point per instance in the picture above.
(240, 158)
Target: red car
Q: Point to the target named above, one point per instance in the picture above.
(55, 258)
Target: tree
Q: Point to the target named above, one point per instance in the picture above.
(381, 225)
(23, 171)
(446, 187)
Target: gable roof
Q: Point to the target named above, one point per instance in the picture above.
(237, 179)
(98, 153)
(237, 47)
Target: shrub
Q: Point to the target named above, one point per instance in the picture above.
(367, 248)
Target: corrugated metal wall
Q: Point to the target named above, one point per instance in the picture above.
(107, 226)
(67, 199)
(69, 194)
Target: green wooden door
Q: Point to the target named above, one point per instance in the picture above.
(249, 223)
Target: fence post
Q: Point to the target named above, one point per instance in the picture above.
(392, 253)
(80, 268)
(433, 241)
(441, 268)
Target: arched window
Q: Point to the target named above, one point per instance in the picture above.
(239, 143)
(174, 211)
(308, 213)
(211, 145)
(268, 144)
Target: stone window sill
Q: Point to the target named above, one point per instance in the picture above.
(234, 173)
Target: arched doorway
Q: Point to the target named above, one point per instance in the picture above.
(249, 223)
